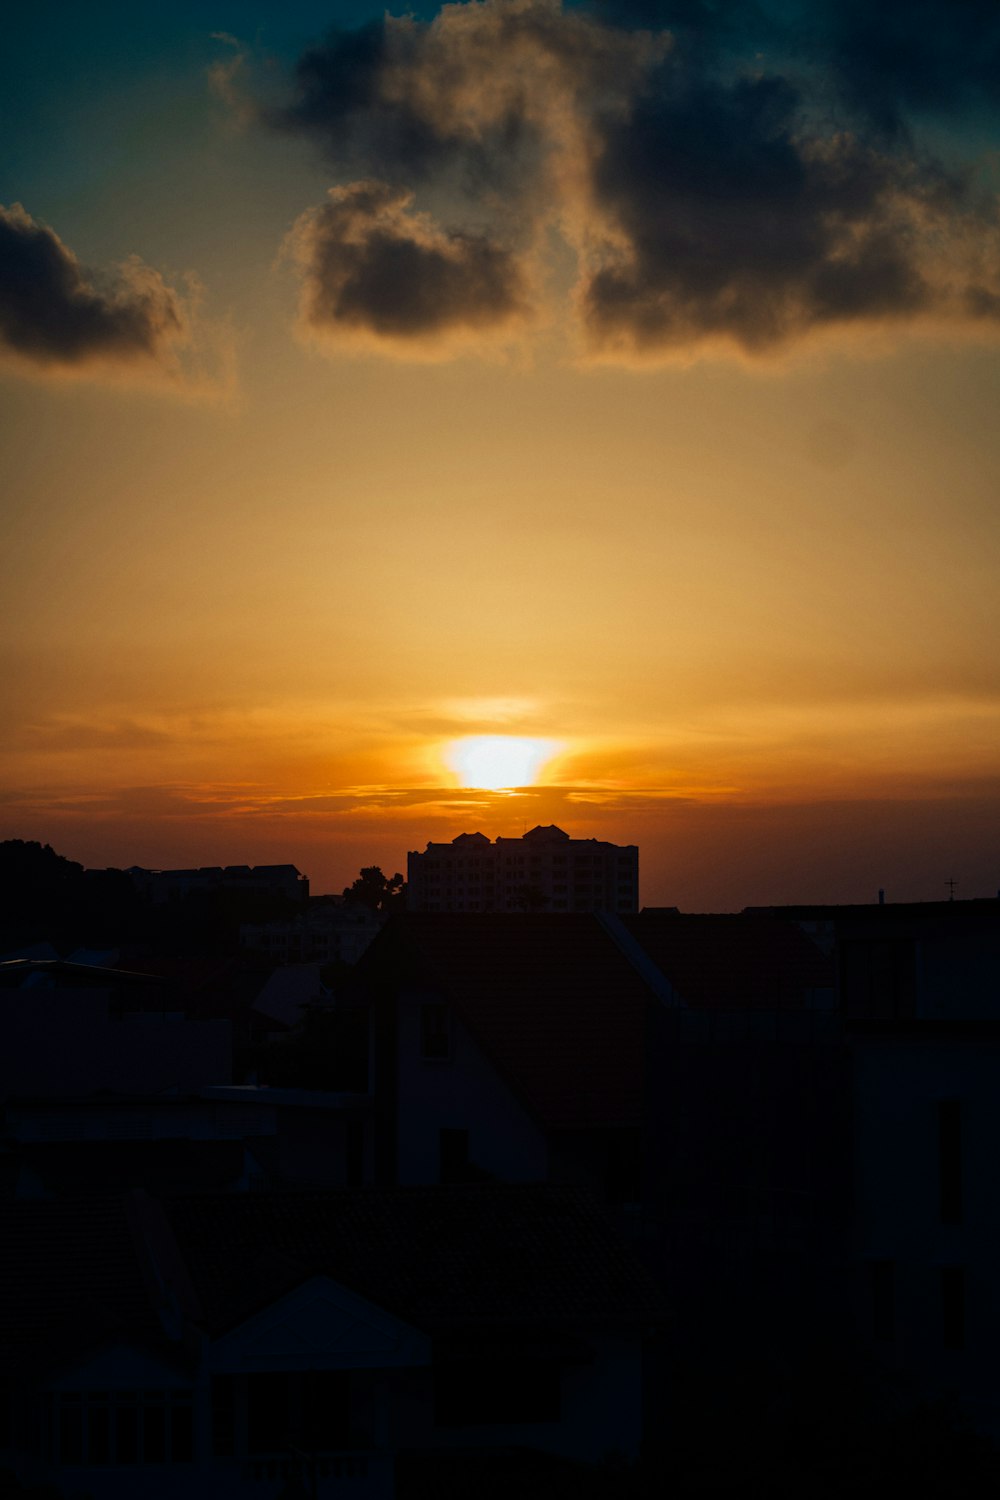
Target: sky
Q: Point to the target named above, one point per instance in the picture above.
(613, 384)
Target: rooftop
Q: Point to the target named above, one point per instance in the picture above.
(552, 999)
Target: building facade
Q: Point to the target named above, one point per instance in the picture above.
(545, 870)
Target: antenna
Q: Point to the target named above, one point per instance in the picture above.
(951, 884)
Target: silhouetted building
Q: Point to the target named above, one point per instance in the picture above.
(314, 1343)
(545, 870)
(509, 1047)
(259, 880)
(225, 1137)
(745, 1157)
(921, 1002)
(72, 1028)
(329, 930)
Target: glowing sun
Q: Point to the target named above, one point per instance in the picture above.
(497, 762)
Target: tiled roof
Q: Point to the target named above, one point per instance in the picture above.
(491, 1256)
(70, 1278)
(552, 1000)
(733, 962)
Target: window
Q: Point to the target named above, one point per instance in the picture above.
(453, 1148)
(355, 1152)
(949, 1112)
(878, 978)
(435, 1033)
(478, 1392)
(123, 1427)
(883, 1290)
(224, 1415)
(623, 1171)
(953, 1307)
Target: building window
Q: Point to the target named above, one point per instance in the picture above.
(953, 1307)
(104, 1428)
(949, 1112)
(623, 1171)
(435, 1032)
(453, 1148)
(883, 1290)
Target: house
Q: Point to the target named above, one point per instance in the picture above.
(233, 1138)
(921, 1003)
(510, 1047)
(329, 930)
(317, 1343)
(746, 1153)
(72, 1028)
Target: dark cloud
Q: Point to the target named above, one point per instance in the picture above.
(374, 269)
(54, 313)
(904, 57)
(727, 173)
(737, 223)
(381, 101)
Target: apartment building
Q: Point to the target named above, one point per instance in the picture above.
(545, 870)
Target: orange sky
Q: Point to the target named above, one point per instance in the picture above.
(250, 600)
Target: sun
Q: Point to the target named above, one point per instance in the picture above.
(497, 762)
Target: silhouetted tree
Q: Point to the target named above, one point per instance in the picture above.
(377, 891)
(44, 897)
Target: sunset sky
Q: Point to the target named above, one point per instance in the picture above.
(622, 378)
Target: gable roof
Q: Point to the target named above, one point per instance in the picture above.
(489, 1261)
(489, 1256)
(733, 962)
(551, 999)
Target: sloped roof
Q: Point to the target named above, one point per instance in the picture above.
(70, 1277)
(732, 962)
(490, 1256)
(551, 998)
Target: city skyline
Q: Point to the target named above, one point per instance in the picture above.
(595, 399)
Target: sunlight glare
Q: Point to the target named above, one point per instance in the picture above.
(497, 762)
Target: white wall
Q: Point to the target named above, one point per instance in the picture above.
(898, 1083)
(463, 1093)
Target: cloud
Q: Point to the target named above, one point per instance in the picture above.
(58, 317)
(724, 174)
(473, 101)
(375, 271)
(905, 57)
(739, 224)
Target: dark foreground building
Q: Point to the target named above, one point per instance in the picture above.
(349, 1344)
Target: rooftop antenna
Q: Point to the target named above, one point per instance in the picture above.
(951, 884)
